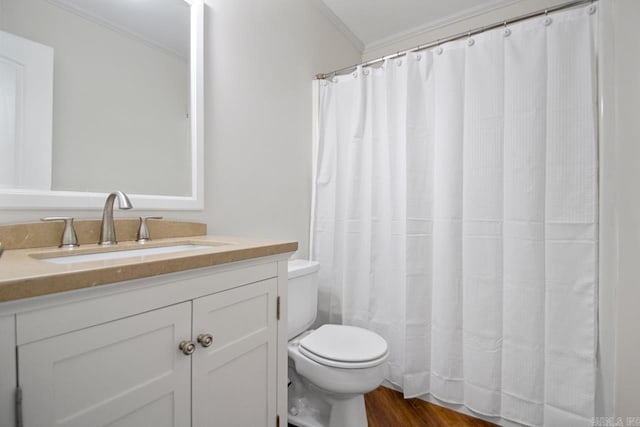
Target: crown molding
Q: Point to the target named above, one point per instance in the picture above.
(340, 26)
(437, 24)
(107, 23)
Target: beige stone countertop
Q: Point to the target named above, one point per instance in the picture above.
(24, 273)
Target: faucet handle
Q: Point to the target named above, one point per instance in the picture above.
(143, 230)
(69, 238)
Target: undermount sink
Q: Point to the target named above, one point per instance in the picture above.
(123, 253)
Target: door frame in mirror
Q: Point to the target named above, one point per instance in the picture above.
(51, 199)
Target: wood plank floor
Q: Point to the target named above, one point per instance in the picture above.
(388, 408)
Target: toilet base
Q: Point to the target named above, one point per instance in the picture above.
(343, 413)
(310, 406)
(304, 420)
(348, 412)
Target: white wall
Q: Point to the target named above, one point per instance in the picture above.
(260, 58)
(609, 223)
(627, 134)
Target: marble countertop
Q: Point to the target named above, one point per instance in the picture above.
(24, 273)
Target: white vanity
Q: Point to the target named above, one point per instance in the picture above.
(202, 346)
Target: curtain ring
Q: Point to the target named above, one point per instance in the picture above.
(470, 41)
(439, 48)
(506, 32)
(398, 60)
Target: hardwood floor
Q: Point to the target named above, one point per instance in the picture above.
(387, 408)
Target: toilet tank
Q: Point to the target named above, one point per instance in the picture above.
(303, 296)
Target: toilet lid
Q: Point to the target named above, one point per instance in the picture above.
(346, 344)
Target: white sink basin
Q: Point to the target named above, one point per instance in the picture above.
(125, 253)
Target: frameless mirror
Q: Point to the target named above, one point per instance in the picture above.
(97, 96)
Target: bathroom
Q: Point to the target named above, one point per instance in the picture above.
(259, 63)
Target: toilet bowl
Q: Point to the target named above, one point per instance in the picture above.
(330, 368)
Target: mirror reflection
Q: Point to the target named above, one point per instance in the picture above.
(119, 95)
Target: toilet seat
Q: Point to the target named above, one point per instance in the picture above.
(342, 346)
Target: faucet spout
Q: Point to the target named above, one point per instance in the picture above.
(108, 231)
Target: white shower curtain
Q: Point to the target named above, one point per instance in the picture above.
(455, 213)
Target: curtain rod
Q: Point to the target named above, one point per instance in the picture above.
(478, 30)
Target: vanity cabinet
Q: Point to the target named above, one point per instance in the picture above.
(115, 358)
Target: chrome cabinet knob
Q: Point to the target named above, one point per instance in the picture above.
(187, 347)
(205, 340)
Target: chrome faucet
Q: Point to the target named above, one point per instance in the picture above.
(108, 231)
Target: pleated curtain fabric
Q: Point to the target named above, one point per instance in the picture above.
(455, 213)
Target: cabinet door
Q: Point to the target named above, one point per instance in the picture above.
(234, 380)
(128, 372)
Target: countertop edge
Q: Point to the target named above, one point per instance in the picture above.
(62, 281)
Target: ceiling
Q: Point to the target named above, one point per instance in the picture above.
(163, 23)
(374, 22)
(367, 23)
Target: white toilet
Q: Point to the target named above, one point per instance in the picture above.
(330, 368)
